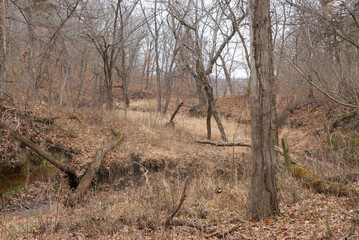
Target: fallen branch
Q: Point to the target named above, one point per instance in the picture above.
(355, 220)
(242, 144)
(91, 173)
(310, 178)
(73, 178)
(183, 197)
(225, 144)
(188, 223)
(220, 234)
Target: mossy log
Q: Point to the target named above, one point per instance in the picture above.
(322, 186)
(93, 169)
(310, 178)
(73, 178)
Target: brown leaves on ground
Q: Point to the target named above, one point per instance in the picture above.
(140, 198)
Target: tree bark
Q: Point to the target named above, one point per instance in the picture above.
(175, 113)
(329, 186)
(263, 190)
(91, 173)
(200, 94)
(2, 46)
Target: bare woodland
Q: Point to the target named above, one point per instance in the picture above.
(126, 91)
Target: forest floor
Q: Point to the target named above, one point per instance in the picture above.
(148, 171)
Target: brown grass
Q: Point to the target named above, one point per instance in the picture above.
(125, 209)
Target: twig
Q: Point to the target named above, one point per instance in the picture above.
(183, 197)
(7, 230)
(188, 223)
(355, 219)
(220, 234)
(243, 144)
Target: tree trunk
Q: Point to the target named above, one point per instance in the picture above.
(200, 94)
(2, 46)
(91, 173)
(94, 86)
(64, 83)
(263, 190)
(168, 93)
(109, 96)
(228, 77)
(210, 99)
(208, 121)
(82, 77)
(30, 55)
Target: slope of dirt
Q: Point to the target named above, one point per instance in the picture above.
(147, 173)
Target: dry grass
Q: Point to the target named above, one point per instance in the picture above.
(135, 207)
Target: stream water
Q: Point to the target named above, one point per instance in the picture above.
(26, 172)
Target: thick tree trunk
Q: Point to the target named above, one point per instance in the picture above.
(109, 96)
(168, 94)
(263, 191)
(200, 94)
(2, 46)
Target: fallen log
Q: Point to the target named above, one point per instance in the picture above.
(73, 178)
(322, 186)
(92, 170)
(242, 144)
(308, 177)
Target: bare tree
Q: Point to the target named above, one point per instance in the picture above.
(321, 46)
(155, 36)
(263, 190)
(199, 68)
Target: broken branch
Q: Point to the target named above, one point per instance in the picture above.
(169, 219)
(91, 173)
